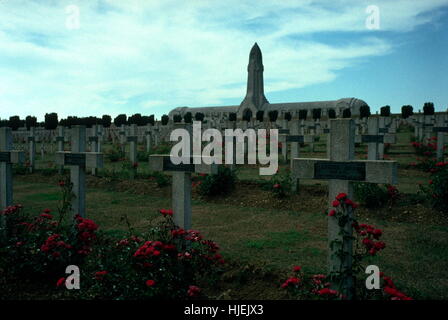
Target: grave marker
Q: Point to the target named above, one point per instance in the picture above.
(60, 141)
(132, 139)
(94, 144)
(7, 158)
(181, 185)
(32, 149)
(441, 129)
(340, 169)
(78, 160)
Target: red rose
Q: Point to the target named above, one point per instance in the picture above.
(46, 216)
(335, 203)
(150, 283)
(332, 213)
(341, 196)
(193, 291)
(297, 268)
(100, 275)
(60, 282)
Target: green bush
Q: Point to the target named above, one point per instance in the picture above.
(165, 262)
(114, 154)
(217, 184)
(371, 195)
(280, 183)
(161, 179)
(436, 192)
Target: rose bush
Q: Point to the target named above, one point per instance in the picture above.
(366, 243)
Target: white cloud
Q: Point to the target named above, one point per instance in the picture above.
(140, 56)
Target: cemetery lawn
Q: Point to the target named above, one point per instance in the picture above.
(262, 237)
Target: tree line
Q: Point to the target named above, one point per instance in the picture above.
(51, 119)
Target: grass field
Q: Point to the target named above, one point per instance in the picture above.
(263, 236)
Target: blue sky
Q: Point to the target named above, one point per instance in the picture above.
(151, 56)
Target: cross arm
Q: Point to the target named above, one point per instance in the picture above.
(162, 162)
(12, 156)
(87, 159)
(374, 171)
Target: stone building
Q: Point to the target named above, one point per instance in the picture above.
(256, 100)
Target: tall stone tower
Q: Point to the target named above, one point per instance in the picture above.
(255, 98)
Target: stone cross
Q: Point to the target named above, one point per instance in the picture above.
(427, 127)
(60, 141)
(441, 129)
(78, 159)
(148, 138)
(94, 145)
(181, 184)
(341, 169)
(293, 137)
(122, 134)
(7, 158)
(132, 139)
(32, 149)
(374, 140)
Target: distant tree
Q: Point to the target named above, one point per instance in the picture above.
(303, 114)
(288, 116)
(385, 111)
(407, 111)
(51, 121)
(14, 123)
(232, 116)
(331, 114)
(165, 119)
(259, 115)
(151, 120)
(177, 118)
(106, 121)
(428, 109)
(30, 121)
(120, 119)
(136, 119)
(199, 116)
(364, 111)
(346, 113)
(4, 123)
(317, 113)
(188, 117)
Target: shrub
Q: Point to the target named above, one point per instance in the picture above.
(373, 195)
(165, 119)
(367, 243)
(162, 267)
(385, 111)
(142, 156)
(407, 111)
(216, 184)
(436, 192)
(161, 179)
(114, 154)
(427, 149)
(164, 262)
(280, 183)
(177, 118)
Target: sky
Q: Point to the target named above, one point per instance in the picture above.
(95, 57)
